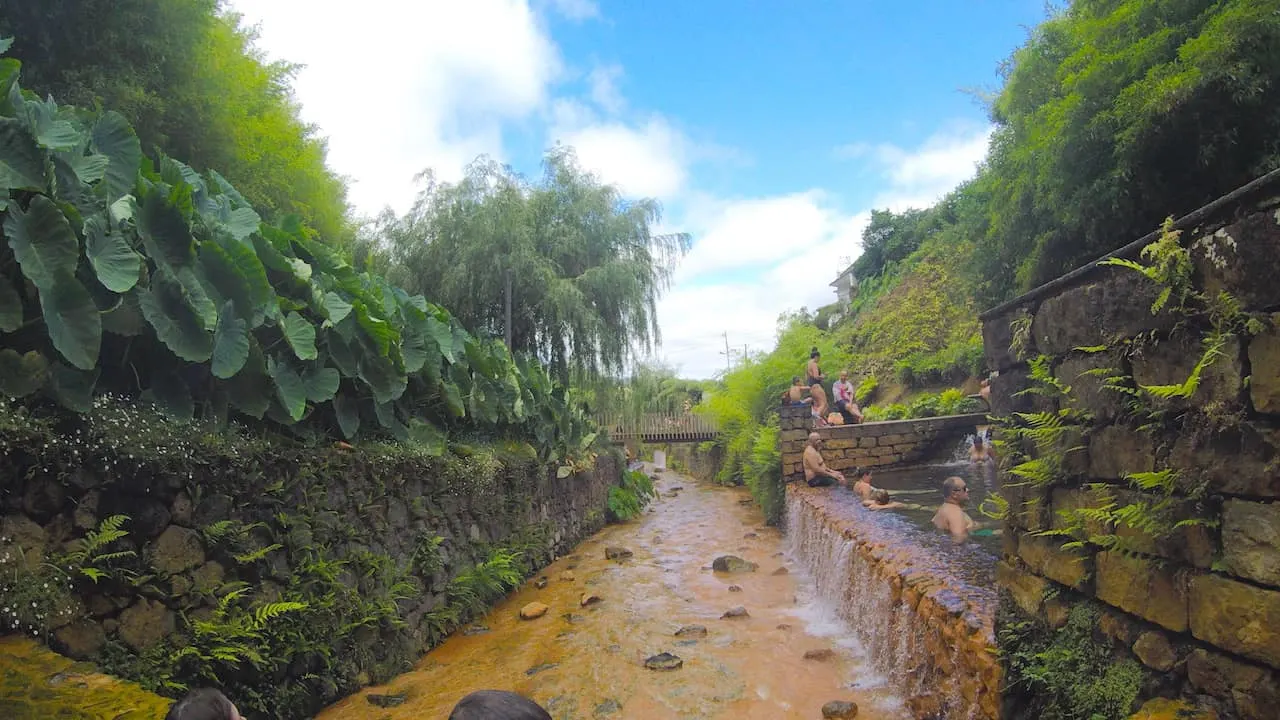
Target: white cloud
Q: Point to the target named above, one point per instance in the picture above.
(604, 88)
(754, 259)
(918, 177)
(577, 10)
(399, 87)
(646, 158)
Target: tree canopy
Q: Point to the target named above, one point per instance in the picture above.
(188, 78)
(587, 266)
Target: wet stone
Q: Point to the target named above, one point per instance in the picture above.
(608, 707)
(781, 571)
(820, 655)
(568, 576)
(784, 626)
(664, 661)
(686, 643)
(750, 535)
(692, 631)
(617, 553)
(572, 618)
(540, 668)
(385, 701)
(735, 612)
(840, 709)
(541, 583)
(735, 588)
(732, 564)
(476, 630)
(533, 611)
(589, 599)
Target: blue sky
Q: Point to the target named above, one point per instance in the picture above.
(767, 130)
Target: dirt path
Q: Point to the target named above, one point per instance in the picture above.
(589, 662)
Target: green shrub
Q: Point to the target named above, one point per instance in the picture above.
(866, 390)
(627, 500)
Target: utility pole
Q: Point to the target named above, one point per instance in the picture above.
(744, 352)
(506, 329)
(728, 367)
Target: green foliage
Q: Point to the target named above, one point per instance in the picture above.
(627, 500)
(1105, 114)
(1066, 674)
(586, 266)
(473, 590)
(866, 389)
(951, 401)
(189, 79)
(165, 284)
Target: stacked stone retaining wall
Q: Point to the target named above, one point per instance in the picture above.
(877, 445)
(1198, 607)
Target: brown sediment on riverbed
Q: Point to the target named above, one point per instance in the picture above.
(605, 659)
(927, 630)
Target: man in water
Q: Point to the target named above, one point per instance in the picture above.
(816, 472)
(794, 395)
(979, 452)
(862, 484)
(951, 516)
(845, 403)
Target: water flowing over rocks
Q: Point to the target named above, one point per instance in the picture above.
(840, 710)
(664, 661)
(733, 564)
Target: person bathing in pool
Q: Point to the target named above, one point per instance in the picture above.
(862, 484)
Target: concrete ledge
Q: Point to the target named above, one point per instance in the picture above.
(886, 444)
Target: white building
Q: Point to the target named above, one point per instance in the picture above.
(846, 285)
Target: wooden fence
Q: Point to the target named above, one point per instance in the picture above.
(674, 427)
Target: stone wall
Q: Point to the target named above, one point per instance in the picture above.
(879, 445)
(1196, 606)
(692, 459)
(353, 533)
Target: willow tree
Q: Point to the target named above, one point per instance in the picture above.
(586, 265)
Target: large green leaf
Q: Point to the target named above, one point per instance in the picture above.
(347, 410)
(386, 414)
(230, 343)
(116, 264)
(72, 388)
(291, 391)
(87, 167)
(251, 389)
(72, 319)
(43, 242)
(453, 398)
(21, 375)
(301, 336)
(113, 137)
(336, 307)
(342, 354)
(180, 327)
(164, 229)
(10, 306)
(50, 129)
(232, 271)
(442, 335)
(321, 383)
(416, 349)
(382, 378)
(172, 396)
(22, 162)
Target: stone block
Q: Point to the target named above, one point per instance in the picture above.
(792, 458)
(176, 550)
(1254, 691)
(906, 448)
(1247, 270)
(892, 459)
(867, 442)
(1239, 460)
(1251, 540)
(1088, 391)
(1114, 304)
(1046, 557)
(1155, 651)
(997, 336)
(800, 435)
(1144, 587)
(1064, 502)
(1026, 588)
(1028, 505)
(1264, 361)
(1171, 361)
(1192, 544)
(1116, 450)
(880, 451)
(839, 443)
(892, 439)
(1005, 398)
(145, 623)
(841, 463)
(1237, 617)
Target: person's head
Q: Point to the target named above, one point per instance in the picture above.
(955, 489)
(497, 705)
(203, 704)
(882, 497)
(977, 441)
(814, 354)
(862, 475)
(796, 380)
(815, 439)
(844, 376)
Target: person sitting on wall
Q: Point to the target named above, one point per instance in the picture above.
(812, 372)
(951, 516)
(203, 704)
(816, 472)
(794, 395)
(497, 705)
(845, 402)
(862, 484)
(820, 407)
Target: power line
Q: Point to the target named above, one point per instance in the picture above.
(727, 365)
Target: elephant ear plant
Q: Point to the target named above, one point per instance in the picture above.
(146, 278)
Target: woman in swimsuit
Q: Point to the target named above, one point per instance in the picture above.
(812, 370)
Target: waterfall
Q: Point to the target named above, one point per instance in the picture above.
(917, 629)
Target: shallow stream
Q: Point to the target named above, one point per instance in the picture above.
(589, 662)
